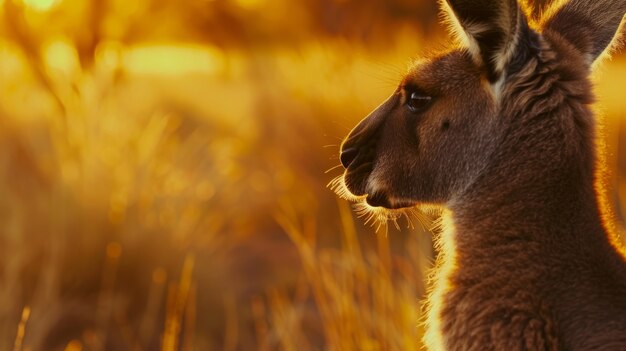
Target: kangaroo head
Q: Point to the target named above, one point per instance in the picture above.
(451, 114)
(427, 140)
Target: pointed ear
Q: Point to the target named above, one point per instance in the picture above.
(589, 25)
(491, 29)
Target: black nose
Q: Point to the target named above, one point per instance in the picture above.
(348, 155)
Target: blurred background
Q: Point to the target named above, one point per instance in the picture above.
(163, 172)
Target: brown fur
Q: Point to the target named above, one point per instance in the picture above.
(526, 260)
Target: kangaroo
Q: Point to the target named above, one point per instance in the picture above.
(500, 132)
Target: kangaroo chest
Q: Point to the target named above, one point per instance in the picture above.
(491, 318)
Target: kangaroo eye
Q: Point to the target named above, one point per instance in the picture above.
(417, 102)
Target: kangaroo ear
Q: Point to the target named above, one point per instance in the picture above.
(490, 29)
(589, 25)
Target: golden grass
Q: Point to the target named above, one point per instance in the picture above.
(169, 193)
(367, 299)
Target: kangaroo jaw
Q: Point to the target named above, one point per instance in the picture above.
(381, 199)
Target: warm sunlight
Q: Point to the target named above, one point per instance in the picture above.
(173, 60)
(41, 5)
(61, 57)
(169, 173)
(249, 4)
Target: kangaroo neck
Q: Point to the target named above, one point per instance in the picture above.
(534, 202)
(517, 238)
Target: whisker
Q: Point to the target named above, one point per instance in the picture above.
(333, 168)
(347, 129)
(395, 223)
(378, 217)
(409, 223)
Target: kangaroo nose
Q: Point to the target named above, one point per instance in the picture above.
(348, 155)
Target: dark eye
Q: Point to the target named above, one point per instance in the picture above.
(417, 101)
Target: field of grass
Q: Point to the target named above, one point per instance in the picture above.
(163, 172)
